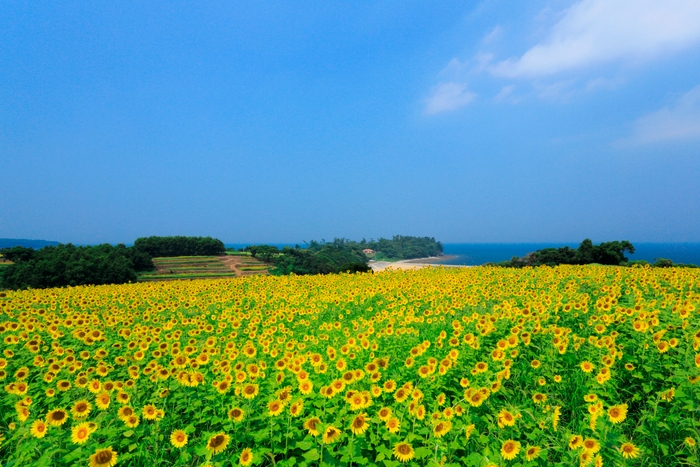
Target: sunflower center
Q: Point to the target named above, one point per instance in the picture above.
(404, 449)
(217, 440)
(103, 457)
(58, 416)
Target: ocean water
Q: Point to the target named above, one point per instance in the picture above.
(480, 253)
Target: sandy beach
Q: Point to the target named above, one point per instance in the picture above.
(418, 263)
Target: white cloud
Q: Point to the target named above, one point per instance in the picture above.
(504, 93)
(446, 97)
(493, 36)
(680, 122)
(599, 31)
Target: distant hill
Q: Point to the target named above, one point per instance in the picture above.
(36, 244)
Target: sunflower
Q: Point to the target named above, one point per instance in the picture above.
(38, 429)
(586, 458)
(275, 408)
(617, 413)
(359, 424)
(57, 417)
(218, 443)
(102, 400)
(510, 449)
(575, 442)
(532, 452)
(132, 421)
(236, 414)
(690, 441)
(81, 409)
(331, 434)
(122, 397)
(539, 398)
(249, 391)
(505, 418)
(80, 433)
(246, 457)
(469, 430)
(393, 425)
(306, 387)
(591, 445)
(555, 417)
(178, 438)
(404, 452)
(384, 414)
(587, 366)
(150, 412)
(103, 458)
(442, 428)
(125, 412)
(629, 451)
(311, 425)
(296, 408)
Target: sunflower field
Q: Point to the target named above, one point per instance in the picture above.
(565, 366)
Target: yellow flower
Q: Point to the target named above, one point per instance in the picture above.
(246, 457)
(38, 429)
(236, 414)
(249, 391)
(617, 413)
(629, 451)
(442, 428)
(591, 445)
(56, 417)
(587, 366)
(690, 441)
(275, 408)
(311, 425)
(575, 442)
(505, 418)
(80, 433)
(103, 458)
(469, 430)
(102, 400)
(178, 438)
(359, 424)
(331, 434)
(532, 452)
(393, 425)
(555, 417)
(81, 409)
(218, 443)
(510, 449)
(539, 398)
(150, 412)
(404, 452)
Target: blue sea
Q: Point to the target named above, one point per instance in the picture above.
(474, 254)
(480, 253)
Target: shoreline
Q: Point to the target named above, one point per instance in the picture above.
(416, 263)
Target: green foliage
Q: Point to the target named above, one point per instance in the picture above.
(607, 253)
(180, 246)
(399, 247)
(64, 265)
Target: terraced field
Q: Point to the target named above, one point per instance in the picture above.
(203, 267)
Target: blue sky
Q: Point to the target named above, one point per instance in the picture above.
(491, 121)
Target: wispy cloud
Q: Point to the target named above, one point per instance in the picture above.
(599, 31)
(679, 122)
(446, 97)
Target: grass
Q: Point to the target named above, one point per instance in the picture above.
(253, 268)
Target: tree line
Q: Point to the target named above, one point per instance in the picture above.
(69, 265)
(607, 253)
(343, 255)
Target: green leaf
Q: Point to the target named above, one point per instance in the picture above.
(311, 455)
(128, 434)
(132, 447)
(304, 445)
(422, 452)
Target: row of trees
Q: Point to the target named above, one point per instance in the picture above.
(70, 265)
(180, 246)
(397, 248)
(328, 259)
(609, 253)
(63, 265)
(343, 255)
